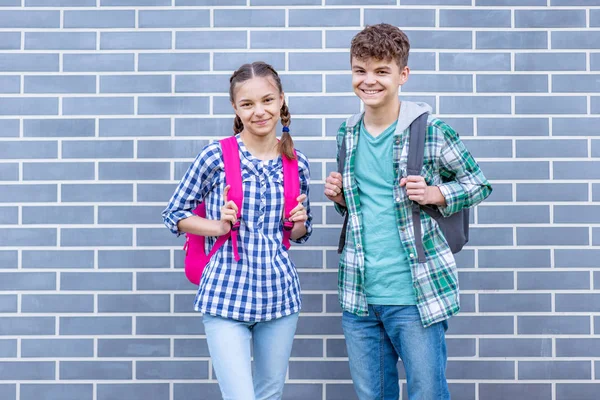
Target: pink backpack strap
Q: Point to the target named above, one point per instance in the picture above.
(291, 191)
(233, 178)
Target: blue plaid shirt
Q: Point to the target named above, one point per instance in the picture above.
(264, 284)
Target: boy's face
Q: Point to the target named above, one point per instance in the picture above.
(376, 82)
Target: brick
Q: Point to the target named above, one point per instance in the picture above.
(576, 170)
(284, 39)
(8, 259)
(174, 18)
(552, 191)
(21, 326)
(575, 83)
(170, 149)
(104, 62)
(316, 148)
(475, 104)
(184, 303)
(437, 39)
(183, 391)
(336, 348)
(553, 325)
(10, 84)
(581, 302)
(134, 348)
(551, 105)
(325, 325)
(249, 18)
(8, 349)
(325, 104)
(474, 61)
(503, 39)
(9, 127)
(54, 128)
(481, 325)
(57, 348)
(550, 19)
(405, 18)
(173, 105)
(512, 127)
(9, 215)
(10, 40)
(222, 105)
(551, 148)
(99, 19)
(585, 214)
(304, 258)
(27, 193)
(58, 171)
(8, 304)
(97, 192)
(515, 348)
(232, 61)
(57, 259)
(171, 326)
(96, 237)
(28, 237)
(512, 83)
(201, 83)
(339, 38)
(29, 19)
(356, 2)
(134, 170)
(97, 370)
(60, 41)
(312, 370)
(95, 326)
(135, 41)
(575, 2)
(341, 392)
(513, 214)
(584, 39)
(30, 62)
(133, 303)
(97, 149)
(324, 17)
(557, 236)
(594, 61)
(28, 150)
(301, 83)
(60, 3)
(134, 127)
(96, 281)
(581, 391)
(580, 258)
(312, 303)
(62, 303)
(27, 370)
(595, 106)
(57, 215)
(9, 172)
(54, 391)
(338, 83)
(212, 39)
(28, 105)
(136, 3)
(555, 370)
(486, 280)
(133, 391)
(438, 83)
(522, 302)
(475, 18)
(172, 370)
(129, 214)
(163, 281)
(489, 148)
(465, 259)
(135, 84)
(461, 347)
(493, 370)
(154, 192)
(511, 2)
(518, 258)
(595, 192)
(319, 280)
(515, 391)
(550, 62)
(98, 105)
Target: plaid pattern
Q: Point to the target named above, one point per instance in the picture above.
(448, 165)
(264, 284)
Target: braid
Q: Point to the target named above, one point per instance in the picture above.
(286, 144)
(238, 126)
(285, 115)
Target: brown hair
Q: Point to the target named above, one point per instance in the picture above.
(381, 42)
(262, 69)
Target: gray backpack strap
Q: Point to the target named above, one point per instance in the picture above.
(416, 153)
(350, 123)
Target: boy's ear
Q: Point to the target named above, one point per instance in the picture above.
(404, 75)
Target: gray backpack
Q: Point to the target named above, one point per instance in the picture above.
(455, 227)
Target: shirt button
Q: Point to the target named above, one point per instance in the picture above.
(403, 229)
(358, 246)
(397, 141)
(397, 199)
(412, 255)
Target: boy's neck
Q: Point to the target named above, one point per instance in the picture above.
(376, 120)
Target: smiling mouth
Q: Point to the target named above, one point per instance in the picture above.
(371, 91)
(261, 122)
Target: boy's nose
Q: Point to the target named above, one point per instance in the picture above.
(370, 79)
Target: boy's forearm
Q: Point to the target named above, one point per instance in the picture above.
(435, 196)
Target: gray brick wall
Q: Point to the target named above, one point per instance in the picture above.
(105, 102)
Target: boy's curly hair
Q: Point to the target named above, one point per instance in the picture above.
(381, 42)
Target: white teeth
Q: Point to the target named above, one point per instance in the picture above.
(371, 91)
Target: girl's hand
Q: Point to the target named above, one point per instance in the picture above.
(228, 213)
(298, 214)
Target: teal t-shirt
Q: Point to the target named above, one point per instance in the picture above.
(388, 280)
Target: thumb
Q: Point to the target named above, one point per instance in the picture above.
(402, 182)
(225, 192)
(301, 198)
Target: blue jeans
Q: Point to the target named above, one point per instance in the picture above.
(229, 343)
(375, 342)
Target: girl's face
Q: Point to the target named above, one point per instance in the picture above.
(258, 104)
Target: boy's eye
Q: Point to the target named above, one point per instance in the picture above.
(245, 104)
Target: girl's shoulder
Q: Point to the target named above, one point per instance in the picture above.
(303, 162)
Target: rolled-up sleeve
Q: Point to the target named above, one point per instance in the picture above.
(304, 173)
(193, 187)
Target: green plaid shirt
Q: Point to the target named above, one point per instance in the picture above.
(448, 165)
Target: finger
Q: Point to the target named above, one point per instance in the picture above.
(415, 178)
(301, 198)
(231, 205)
(225, 193)
(297, 209)
(402, 182)
(335, 175)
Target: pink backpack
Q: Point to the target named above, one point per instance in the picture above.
(195, 256)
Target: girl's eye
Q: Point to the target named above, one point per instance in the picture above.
(268, 100)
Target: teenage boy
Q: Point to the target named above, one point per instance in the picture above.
(393, 305)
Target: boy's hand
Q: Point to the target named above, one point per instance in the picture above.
(334, 189)
(228, 213)
(417, 190)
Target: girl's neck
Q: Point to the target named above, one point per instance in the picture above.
(262, 147)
